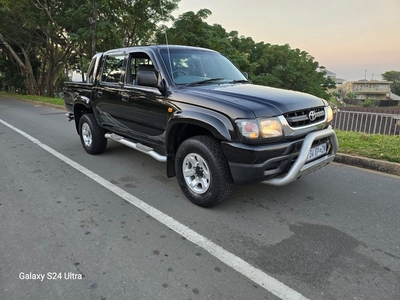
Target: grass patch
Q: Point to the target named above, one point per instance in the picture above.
(376, 146)
(55, 101)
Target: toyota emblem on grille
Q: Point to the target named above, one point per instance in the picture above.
(312, 115)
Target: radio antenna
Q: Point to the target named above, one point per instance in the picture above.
(166, 40)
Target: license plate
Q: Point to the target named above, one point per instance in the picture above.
(316, 151)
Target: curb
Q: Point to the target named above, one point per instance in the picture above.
(369, 163)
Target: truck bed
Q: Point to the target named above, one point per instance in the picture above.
(74, 89)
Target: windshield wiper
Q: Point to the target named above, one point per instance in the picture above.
(240, 81)
(210, 80)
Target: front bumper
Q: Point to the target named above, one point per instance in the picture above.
(278, 164)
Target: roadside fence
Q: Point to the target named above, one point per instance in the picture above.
(367, 122)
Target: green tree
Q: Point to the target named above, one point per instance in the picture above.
(395, 77)
(191, 29)
(293, 69)
(10, 76)
(243, 47)
(37, 30)
(59, 35)
(351, 95)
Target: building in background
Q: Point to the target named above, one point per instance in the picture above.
(76, 75)
(332, 76)
(336, 91)
(367, 89)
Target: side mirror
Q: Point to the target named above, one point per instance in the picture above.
(163, 88)
(245, 75)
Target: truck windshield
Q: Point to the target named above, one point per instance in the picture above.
(197, 66)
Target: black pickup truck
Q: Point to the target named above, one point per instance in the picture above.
(193, 109)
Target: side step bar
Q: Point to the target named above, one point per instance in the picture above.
(136, 146)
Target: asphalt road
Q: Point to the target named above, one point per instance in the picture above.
(334, 234)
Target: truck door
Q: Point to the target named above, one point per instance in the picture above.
(106, 98)
(144, 107)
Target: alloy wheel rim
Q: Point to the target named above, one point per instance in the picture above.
(86, 135)
(196, 173)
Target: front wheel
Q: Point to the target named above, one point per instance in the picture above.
(202, 171)
(92, 135)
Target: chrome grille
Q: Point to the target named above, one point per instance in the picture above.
(305, 117)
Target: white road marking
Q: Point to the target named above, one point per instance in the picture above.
(263, 279)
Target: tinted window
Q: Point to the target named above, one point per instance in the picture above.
(112, 69)
(191, 65)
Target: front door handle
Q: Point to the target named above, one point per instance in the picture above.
(99, 94)
(125, 98)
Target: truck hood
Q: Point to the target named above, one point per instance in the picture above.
(262, 101)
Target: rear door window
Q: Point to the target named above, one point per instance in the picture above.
(113, 69)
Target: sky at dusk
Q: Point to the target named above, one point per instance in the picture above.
(346, 36)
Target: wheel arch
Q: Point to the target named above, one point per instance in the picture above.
(81, 107)
(186, 124)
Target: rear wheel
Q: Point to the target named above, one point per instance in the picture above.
(202, 171)
(92, 135)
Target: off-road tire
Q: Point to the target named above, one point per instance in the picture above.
(92, 135)
(205, 168)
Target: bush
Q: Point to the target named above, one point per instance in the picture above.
(369, 103)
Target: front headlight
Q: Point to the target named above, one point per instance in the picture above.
(329, 114)
(270, 128)
(260, 128)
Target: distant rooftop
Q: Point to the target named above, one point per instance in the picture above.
(370, 81)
